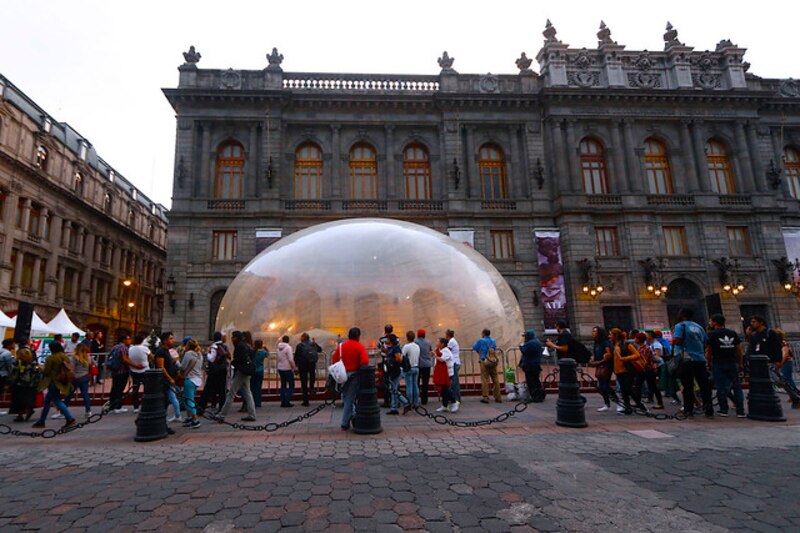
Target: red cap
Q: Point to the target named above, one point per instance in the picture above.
(420, 333)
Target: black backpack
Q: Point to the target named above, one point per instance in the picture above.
(579, 352)
(405, 363)
(220, 363)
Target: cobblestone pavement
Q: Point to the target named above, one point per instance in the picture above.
(620, 473)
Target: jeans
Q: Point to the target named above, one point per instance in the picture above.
(189, 393)
(726, 376)
(455, 386)
(82, 384)
(238, 382)
(412, 385)
(650, 378)
(627, 381)
(349, 392)
(173, 399)
(256, 384)
(607, 392)
(118, 383)
(424, 380)
(696, 371)
(394, 391)
(287, 386)
(137, 381)
(307, 378)
(786, 373)
(779, 379)
(54, 396)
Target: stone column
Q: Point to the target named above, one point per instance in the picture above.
(745, 166)
(59, 297)
(561, 177)
(474, 181)
(688, 158)
(88, 253)
(116, 254)
(700, 156)
(8, 243)
(93, 297)
(516, 177)
(203, 185)
(26, 214)
(18, 269)
(55, 230)
(75, 295)
(635, 178)
(50, 280)
(575, 177)
(335, 176)
(391, 185)
(251, 172)
(43, 222)
(619, 175)
(37, 267)
(759, 177)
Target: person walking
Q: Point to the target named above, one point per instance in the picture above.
(411, 353)
(257, 379)
(724, 355)
(425, 365)
(531, 364)
(306, 355)
(139, 355)
(650, 374)
(57, 381)
(163, 361)
(118, 364)
(81, 360)
(192, 370)
(603, 363)
(218, 358)
(442, 374)
(455, 379)
(766, 341)
(24, 380)
(243, 368)
(97, 347)
(626, 373)
(786, 367)
(286, 370)
(690, 338)
(487, 359)
(353, 355)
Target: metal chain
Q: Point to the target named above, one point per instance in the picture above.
(272, 426)
(443, 420)
(5, 429)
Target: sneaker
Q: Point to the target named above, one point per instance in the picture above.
(194, 425)
(406, 409)
(171, 419)
(722, 413)
(88, 414)
(484, 400)
(740, 415)
(188, 422)
(603, 409)
(121, 410)
(136, 411)
(248, 419)
(70, 423)
(620, 409)
(38, 424)
(443, 409)
(675, 402)
(393, 412)
(57, 415)
(659, 406)
(456, 407)
(3, 413)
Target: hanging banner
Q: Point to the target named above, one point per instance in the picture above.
(551, 277)
(791, 239)
(266, 237)
(463, 235)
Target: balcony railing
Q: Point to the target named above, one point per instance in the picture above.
(310, 205)
(421, 205)
(34, 238)
(226, 205)
(604, 199)
(670, 199)
(364, 205)
(735, 199)
(499, 205)
(360, 82)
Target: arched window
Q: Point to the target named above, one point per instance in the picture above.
(230, 170)
(41, 157)
(417, 171)
(791, 169)
(77, 186)
(656, 164)
(213, 308)
(593, 167)
(492, 168)
(719, 168)
(308, 172)
(363, 173)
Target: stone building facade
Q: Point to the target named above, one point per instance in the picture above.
(73, 229)
(674, 169)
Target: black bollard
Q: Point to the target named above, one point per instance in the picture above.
(763, 402)
(151, 424)
(569, 406)
(368, 414)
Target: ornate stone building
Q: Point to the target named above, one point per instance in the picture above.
(611, 187)
(75, 233)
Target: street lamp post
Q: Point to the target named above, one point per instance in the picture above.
(134, 304)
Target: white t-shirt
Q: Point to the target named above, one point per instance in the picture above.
(452, 344)
(138, 355)
(412, 351)
(70, 345)
(447, 357)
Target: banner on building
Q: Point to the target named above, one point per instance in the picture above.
(791, 239)
(463, 235)
(265, 237)
(551, 277)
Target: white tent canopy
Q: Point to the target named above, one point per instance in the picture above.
(6, 321)
(62, 324)
(38, 326)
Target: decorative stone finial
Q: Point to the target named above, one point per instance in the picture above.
(671, 37)
(549, 32)
(275, 59)
(604, 35)
(446, 62)
(191, 57)
(524, 63)
(724, 43)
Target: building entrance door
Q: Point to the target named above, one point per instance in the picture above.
(683, 293)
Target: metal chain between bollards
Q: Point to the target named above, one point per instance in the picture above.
(5, 429)
(443, 420)
(273, 426)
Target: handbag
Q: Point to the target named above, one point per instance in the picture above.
(441, 376)
(337, 370)
(603, 372)
(491, 359)
(676, 365)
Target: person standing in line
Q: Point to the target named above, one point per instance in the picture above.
(306, 355)
(455, 384)
(531, 364)
(53, 380)
(724, 355)
(766, 341)
(603, 361)
(786, 367)
(118, 364)
(80, 361)
(97, 346)
(24, 379)
(139, 355)
(383, 348)
(192, 369)
(286, 370)
(411, 351)
(242, 370)
(353, 355)
(488, 370)
(72, 343)
(650, 374)
(563, 341)
(625, 352)
(442, 375)
(394, 370)
(690, 338)
(6, 365)
(257, 379)
(425, 365)
(163, 361)
(215, 389)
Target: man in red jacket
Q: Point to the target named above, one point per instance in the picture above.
(354, 355)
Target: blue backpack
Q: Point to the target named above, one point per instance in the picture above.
(114, 359)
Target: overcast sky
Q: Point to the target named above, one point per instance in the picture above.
(100, 65)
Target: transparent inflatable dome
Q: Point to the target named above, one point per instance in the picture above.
(368, 273)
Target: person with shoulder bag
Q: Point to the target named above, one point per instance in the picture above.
(243, 368)
(192, 368)
(603, 363)
(57, 380)
(626, 353)
(486, 349)
(648, 372)
(690, 338)
(24, 379)
(215, 389)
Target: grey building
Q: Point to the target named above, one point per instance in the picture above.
(74, 233)
(611, 188)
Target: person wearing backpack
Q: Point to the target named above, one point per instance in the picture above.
(306, 355)
(394, 370)
(118, 364)
(531, 364)
(486, 349)
(57, 378)
(243, 368)
(215, 389)
(6, 364)
(690, 338)
(411, 359)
